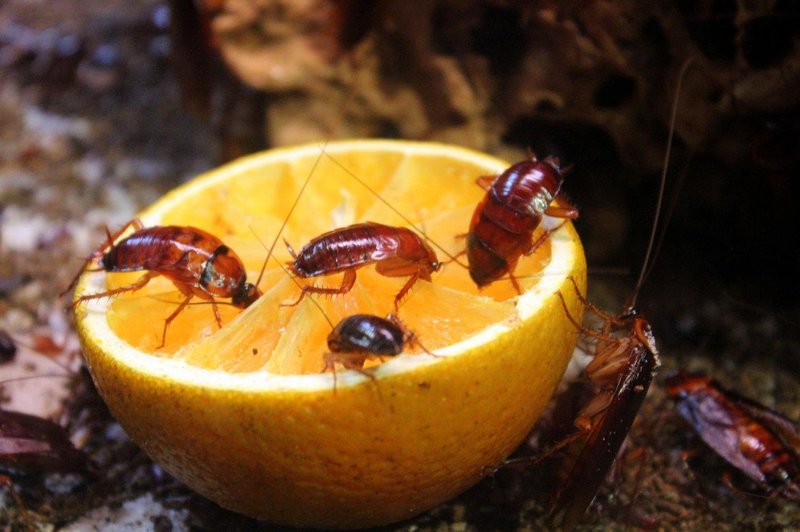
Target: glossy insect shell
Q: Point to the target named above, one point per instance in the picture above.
(365, 243)
(366, 333)
(753, 438)
(503, 223)
(186, 255)
(628, 388)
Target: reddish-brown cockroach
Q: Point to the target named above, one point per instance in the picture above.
(197, 263)
(625, 360)
(758, 441)
(395, 251)
(502, 226)
(620, 374)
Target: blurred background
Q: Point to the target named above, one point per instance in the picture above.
(103, 108)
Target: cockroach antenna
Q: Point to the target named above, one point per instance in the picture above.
(646, 265)
(289, 214)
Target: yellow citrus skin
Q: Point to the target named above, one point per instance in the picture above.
(290, 450)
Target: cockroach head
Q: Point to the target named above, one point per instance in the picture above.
(554, 162)
(629, 312)
(679, 384)
(245, 295)
(431, 261)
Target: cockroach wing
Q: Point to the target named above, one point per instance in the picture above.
(717, 424)
(781, 426)
(604, 441)
(30, 444)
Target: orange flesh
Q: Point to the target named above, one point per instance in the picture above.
(292, 339)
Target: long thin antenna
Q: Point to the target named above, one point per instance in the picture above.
(676, 189)
(345, 106)
(609, 270)
(39, 376)
(664, 170)
(396, 211)
(289, 214)
(294, 280)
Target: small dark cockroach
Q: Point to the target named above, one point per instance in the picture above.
(758, 441)
(360, 336)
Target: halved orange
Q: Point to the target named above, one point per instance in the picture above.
(243, 414)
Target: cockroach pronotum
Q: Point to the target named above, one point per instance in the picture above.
(756, 440)
(502, 226)
(395, 251)
(625, 360)
(197, 263)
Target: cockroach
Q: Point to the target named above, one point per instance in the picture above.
(416, 227)
(197, 263)
(758, 441)
(357, 337)
(395, 251)
(365, 334)
(502, 226)
(619, 374)
(32, 445)
(624, 362)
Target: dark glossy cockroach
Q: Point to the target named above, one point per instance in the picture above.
(502, 226)
(758, 441)
(395, 251)
(196, 262)
(360, 336)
